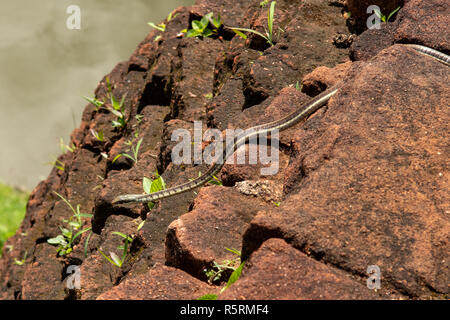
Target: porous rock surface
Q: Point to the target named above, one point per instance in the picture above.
(362, 182)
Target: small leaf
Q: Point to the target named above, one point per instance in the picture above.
(80, 232)
(120, 234)
(86, 244)
(270, 17)
(146, 184)
(116, 259)
(150, 205)
(107, 258)
(56, 240)
(65, 200)
(197, 26)
(157, 185)
(192, 33)
(217, 22)
(116, 157)
(141, 225)
(207, 32)
(240, 34)
(235, 275)
(392, 13)
(116, 112)
(95, 102)
(237, 252)
(205, 21)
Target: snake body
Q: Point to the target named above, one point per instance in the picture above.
(265, 129)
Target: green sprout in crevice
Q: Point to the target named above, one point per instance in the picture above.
(200, 27)
(162, 26)
(269, 34)
(134, 152)
(68, 235)
(99, 135)
(153, 185)
(113, 258)
(64, 147)
(21, 262)
(216, 273)
(115, 106)
(386, 18)
(58, 164)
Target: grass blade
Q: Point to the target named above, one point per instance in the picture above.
(270, 18)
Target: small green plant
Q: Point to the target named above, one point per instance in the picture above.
(65, 147)
(21, 262)
(215, 273)
(116, 108)
(162, 26)
(97, 103)
(57, 164)
(139, 118)
(114, 258)
(383, 17)
(214, 181)
(98, 135)
(68, 235)
(268, 36)
(151, 186)
(208, 96)
(200, 27)
(134, 152)
(235, 275)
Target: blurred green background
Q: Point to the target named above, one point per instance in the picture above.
(46, 69)
(12, 210)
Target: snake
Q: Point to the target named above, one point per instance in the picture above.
(288, 121)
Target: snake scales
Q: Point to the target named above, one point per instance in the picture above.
(304, 112)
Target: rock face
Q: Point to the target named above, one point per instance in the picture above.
(363, 182)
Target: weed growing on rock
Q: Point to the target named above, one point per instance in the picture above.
(134, 152)
(57, 164)
(215, 275)
(98, 135)
(114, 258)
(116, 108)
(64, 147)
(386, 18)
(162, 26)
(151, 186)
(268, 36)
(200, 27)
(214, 181)
(264, 3)
(21, 262)
(68, 235)
(97, 103)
